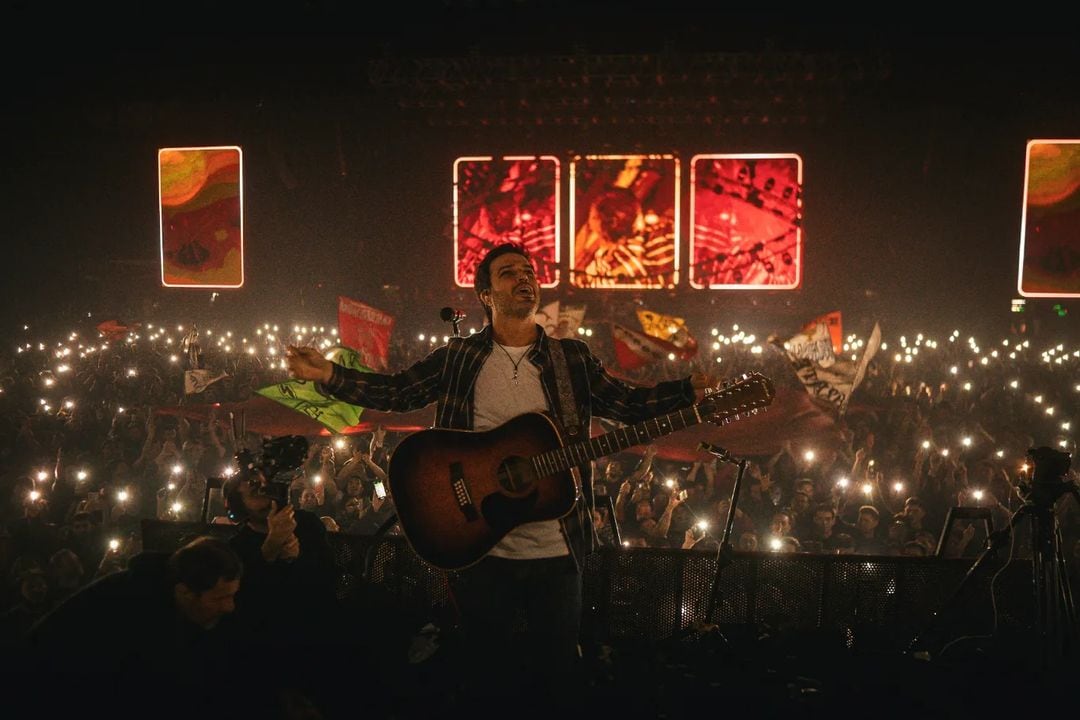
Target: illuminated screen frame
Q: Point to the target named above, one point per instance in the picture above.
(1024, 219)
(558, 207)
(676, 268)
(161, 215)
(695, 282)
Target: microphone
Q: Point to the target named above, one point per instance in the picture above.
(449, 314)
(713, 449)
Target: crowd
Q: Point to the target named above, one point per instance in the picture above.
(85, 453)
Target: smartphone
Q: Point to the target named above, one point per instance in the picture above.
(380, 490)
(682, 495)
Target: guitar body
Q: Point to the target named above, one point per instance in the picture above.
(458, 493)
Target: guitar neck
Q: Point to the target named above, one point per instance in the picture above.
(564, 458)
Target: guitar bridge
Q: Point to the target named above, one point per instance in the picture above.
(461, 492)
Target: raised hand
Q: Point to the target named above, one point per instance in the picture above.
(281, 524)
(308, 364)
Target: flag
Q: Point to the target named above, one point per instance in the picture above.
(634, 349)
(195, 381)
(834, 322)
(668, 328)
(115, 330)
(824, 376)
(570, 319)
(302, 395)
(547, 317)
(366, 329)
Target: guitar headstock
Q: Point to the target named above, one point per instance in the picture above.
(747, 395)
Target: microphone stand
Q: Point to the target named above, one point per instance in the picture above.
(724, 555)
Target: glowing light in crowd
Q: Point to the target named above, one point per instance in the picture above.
(69, 404)
(81, 475)
(809, 455)
(1049, 411)
(132, 372)
(1066, 425)
(340, 443)
(954, 369)
(867, 489)
(177, 507)
(926, 444)
(177, 469)
(1000, 453)
(775, 544)
(966, 442)
(842, 483)
(122, 496)
(1037, 398)
(703, 525)
(898, 487)
(171, 486)
(967, 386)
(49, 382)
(114, 544)
(1014, 384)
(42, 476)
(316, 479)
(945, 452)
(977, 494)
(34, 496)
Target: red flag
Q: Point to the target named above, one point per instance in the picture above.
(635, 349)
(114, 330)
(366, 330)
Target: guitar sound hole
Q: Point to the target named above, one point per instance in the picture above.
(516, 476)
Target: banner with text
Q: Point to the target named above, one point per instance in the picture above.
(366, 330)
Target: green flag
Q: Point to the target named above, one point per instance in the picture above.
(302, 396)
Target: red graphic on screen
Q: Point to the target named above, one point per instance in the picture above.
(507, 201)
(747, 221)
(625, 222)
(201, 235)
(1050, 260)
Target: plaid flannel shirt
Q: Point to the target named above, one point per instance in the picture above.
(447, 376)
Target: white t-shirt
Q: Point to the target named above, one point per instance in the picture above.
(498, 398)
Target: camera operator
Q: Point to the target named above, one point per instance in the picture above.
(288, 597)
(289, 565)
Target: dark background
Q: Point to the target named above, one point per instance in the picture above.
(912, 128)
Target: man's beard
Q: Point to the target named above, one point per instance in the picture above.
(510, 307)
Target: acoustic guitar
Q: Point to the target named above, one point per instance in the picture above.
(458, 493)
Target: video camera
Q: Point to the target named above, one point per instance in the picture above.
(268, 473)
(1048, 481)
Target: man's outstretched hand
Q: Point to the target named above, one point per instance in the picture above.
(308, 364)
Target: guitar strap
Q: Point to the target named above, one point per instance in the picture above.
(567, 406)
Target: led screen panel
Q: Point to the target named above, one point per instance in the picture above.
(512, 199)
(746, 221)
(1050, 226)
(200, 207)
(624, 221)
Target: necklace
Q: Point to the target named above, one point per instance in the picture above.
(517, 362)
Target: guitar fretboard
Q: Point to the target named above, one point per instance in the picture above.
(564, 458)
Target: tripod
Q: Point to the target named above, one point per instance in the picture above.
(1055, 621)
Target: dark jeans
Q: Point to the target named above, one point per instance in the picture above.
(521, 620)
